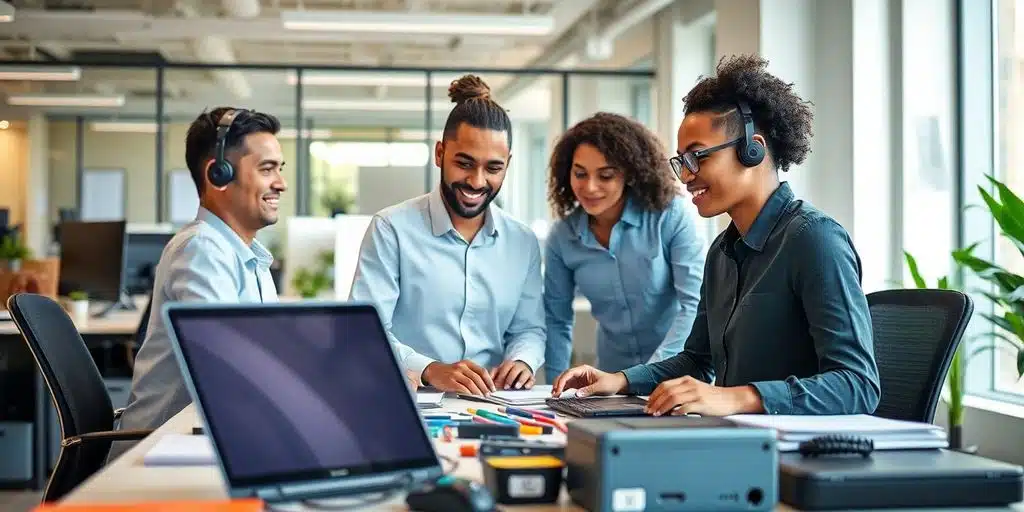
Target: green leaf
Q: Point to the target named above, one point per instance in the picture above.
(914, 272)
(1020, 362)
(943, 283)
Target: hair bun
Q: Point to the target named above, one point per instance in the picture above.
(467, 88)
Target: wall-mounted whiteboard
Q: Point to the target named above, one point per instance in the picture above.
(103, 196)
(183, 200)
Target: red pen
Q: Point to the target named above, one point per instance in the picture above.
(535, 412)
(554, 423)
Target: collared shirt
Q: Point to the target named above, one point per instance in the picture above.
(443, 299)
(643, 289)
(781, 309)
(206, 261)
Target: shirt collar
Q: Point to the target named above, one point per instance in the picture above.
(257, 251)
(765, 221)
(631, 214)
(441, 220)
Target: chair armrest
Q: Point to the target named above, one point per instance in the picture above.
(107, 435)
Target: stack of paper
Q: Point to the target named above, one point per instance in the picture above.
(885, 433)
(520, 397)
(429, 400)
(180, 450)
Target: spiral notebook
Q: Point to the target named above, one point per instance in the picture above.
(886, 434)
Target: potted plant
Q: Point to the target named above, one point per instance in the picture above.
(12, 252)
(78, 306)
(337, 200)
(309, 283)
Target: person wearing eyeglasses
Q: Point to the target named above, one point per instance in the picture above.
(626, 240)
(783, 325)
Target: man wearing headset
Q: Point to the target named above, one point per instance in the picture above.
(782, 325)
(235, 160)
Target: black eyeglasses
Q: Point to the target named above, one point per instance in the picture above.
(691, 159)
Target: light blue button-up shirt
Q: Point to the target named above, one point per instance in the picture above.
(643, 289)
(205, 261)
(442, 299)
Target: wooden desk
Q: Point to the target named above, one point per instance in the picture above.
(115, 323)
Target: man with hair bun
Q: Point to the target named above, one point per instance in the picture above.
(457, 280)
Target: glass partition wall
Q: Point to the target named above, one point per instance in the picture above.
(355, 139)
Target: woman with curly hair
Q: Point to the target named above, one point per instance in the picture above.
(625, 240)
(783, 326)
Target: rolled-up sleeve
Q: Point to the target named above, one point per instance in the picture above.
(525, 336)
(828, 280)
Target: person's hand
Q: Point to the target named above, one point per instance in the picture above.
(689, 395)
(413, 380)
(589, 381)
(464, 377)
(513, 374)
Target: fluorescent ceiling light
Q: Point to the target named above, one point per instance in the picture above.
(123, 126)
(55, 100)
(68, 73)
(368, 104)
(419, 23)
(364, 78)
(316, 133)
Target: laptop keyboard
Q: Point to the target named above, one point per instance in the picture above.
(596, 407)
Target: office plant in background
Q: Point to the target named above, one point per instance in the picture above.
(12, 252)
(310, 282)
(337, 199)
(1006, 293)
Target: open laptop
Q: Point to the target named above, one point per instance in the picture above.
(301, 400)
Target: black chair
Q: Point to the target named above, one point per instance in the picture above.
(83, 406)
(916, 333)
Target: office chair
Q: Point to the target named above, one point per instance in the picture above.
(83, 406)
(916, 333)
(132, 347)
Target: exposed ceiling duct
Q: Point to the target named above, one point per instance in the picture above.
(212, 49)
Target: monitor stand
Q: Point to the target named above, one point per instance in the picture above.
(123, 303)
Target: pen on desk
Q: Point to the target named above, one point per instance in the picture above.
(531, 422)
(553, 422)
(493, 416)
(535, 411)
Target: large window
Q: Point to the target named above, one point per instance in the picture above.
(992, 97)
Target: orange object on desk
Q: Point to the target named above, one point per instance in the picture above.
(238, 505)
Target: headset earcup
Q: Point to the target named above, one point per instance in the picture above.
(752, 154)
(221, 173)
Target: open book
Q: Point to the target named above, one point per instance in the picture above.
(886, 434)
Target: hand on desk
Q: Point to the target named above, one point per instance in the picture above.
(689, 395)
(513, 375)
(589, 381)
(462, 377)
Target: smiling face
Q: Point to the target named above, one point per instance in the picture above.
(473, 165)
(253, 197)
(599, 186)
(721, 182)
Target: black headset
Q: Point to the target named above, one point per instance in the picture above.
(750, 151)
(221, 172)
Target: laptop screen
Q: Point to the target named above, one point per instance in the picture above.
(299, 393)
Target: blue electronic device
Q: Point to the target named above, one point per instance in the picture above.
(683, 463)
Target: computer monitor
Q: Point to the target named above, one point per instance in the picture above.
(142, 253)
(301, 400)
(92, 260)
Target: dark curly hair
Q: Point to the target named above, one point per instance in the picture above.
(627, 145)
(780, 116)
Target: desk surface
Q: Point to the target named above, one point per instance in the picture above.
(114, 323)
(127, 480)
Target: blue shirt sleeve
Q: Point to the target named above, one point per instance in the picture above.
(203, 271)
(686, 254)
(376, 280)
(827, 278)
(525, 335)
(559, 293)
(694, 360)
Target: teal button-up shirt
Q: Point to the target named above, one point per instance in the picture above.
(781, 309)
(643, 289)
(443, 299)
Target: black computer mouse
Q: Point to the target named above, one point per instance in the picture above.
(451, 495)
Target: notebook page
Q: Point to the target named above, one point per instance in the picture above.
(840, 424)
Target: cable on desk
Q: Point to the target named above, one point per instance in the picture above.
(359, 501)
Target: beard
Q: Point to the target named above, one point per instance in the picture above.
(450, 192)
